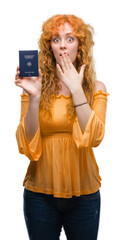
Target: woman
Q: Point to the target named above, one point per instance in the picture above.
(63, 114)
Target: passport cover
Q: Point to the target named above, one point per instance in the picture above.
(28, 63)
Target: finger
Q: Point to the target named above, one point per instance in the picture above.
(59, 71)
(62, 63)
(17, 75)
(20, 85)
(65, 61)
(17, 68)
(69, 61)
(40, 73)
(18, 81)
(81, 73)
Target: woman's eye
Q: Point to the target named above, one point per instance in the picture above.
(70, 39)
(55, 39)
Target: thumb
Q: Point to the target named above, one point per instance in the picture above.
(39, 71)
(40, 74)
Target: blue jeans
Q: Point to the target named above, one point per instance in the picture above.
(45, 216)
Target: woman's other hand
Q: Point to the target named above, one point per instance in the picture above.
(68, 73)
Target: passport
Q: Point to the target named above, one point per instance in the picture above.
(28, 63)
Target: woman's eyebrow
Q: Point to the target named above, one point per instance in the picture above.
(69, 33)
(66, 34)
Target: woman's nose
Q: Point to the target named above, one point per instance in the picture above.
(62, 44)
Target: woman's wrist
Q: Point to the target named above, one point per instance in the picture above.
(34, 99)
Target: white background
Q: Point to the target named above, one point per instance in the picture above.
(20, 29)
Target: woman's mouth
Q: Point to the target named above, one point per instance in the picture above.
(63, 53)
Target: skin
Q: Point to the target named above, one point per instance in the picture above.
(66, 44)
(30, 85)
(69, 78)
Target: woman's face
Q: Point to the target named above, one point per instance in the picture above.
(65, 41)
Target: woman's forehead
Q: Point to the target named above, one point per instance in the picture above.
(66, 27)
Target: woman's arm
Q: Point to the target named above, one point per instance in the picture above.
(84, 111)
(32, 118)
(32, 87)
(32, 150)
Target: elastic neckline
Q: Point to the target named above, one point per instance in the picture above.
(70, 95)
(101, 92)
(61, 95)
(95, 93)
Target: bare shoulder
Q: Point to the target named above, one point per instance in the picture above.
(100, 86)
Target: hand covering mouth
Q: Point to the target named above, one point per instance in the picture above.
(63, 53)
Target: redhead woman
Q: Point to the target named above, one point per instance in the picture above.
(63, 113)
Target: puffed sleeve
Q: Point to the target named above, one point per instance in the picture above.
(95, 128)
(32, 150)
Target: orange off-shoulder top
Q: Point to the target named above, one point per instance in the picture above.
(62, 162)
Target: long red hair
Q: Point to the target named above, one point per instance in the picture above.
(47, 62)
